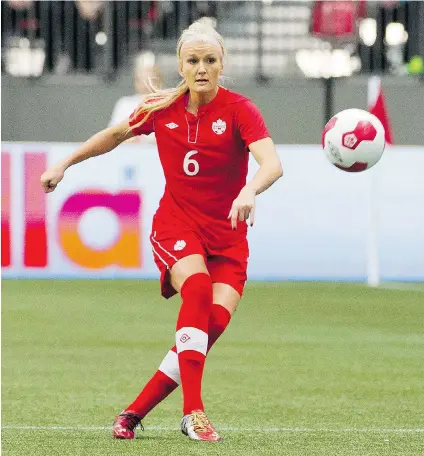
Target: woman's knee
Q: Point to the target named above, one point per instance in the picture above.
(226, 296)
(185, 268)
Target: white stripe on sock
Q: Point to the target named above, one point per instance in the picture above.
(170, 367)
(189, 338)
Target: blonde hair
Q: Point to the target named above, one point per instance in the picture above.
(158, 98)
(146, 61)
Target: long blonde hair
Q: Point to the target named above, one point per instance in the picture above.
(159, 99)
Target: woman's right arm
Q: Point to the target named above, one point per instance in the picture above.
(102, 142)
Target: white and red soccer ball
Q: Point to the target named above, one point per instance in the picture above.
(353, 140)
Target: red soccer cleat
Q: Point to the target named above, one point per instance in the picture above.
(125, 424)
(197, 426)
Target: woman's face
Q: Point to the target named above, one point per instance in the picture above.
(201, 66)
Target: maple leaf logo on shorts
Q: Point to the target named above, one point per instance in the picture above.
(179, 245)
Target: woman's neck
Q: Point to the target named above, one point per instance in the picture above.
(196, 100)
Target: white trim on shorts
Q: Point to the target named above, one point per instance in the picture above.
(160, 258)
(166, 251)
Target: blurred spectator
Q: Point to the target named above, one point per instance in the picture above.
(174, 16)
(20, 5)
(146, 74)
(89, 9)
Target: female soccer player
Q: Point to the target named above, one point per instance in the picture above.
(204, 134)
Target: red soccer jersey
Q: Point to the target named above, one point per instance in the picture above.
(204, 159)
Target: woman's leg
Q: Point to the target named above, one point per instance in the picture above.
(167, 378)
(191, 278)
(225, 298)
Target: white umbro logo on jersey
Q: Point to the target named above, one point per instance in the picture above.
(179, 245)
(172, 125)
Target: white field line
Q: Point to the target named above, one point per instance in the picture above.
(223, 428)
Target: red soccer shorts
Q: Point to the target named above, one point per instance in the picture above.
(171, 243)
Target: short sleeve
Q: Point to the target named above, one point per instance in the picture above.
(251, 123)
(145, 128)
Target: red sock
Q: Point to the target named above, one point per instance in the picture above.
(164, 382)
(192, 337)
(218, 321)
(156, 389)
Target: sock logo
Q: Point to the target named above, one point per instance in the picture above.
(184, 338)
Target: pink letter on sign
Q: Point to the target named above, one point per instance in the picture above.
(35, 212)
(5, 209)
(125, 252)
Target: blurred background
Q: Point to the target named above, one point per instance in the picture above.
(328, 367)
(310, 363)
(298, 60)
(71, 68)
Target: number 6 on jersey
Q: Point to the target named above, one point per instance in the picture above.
(194, 168)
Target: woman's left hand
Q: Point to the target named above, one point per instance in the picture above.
(243, 207)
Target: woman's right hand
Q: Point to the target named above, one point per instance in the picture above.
(51, 178)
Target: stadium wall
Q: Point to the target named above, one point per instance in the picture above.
(71, 109)
(313, 224)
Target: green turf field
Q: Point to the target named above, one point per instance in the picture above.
(303, 369)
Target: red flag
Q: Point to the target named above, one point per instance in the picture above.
(377, 106)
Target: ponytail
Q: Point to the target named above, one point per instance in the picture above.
(157, 100)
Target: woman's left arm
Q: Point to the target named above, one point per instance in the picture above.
(270, 170)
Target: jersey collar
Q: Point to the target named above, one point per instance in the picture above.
(219, 98)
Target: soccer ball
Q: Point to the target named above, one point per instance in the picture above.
(353, 140)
